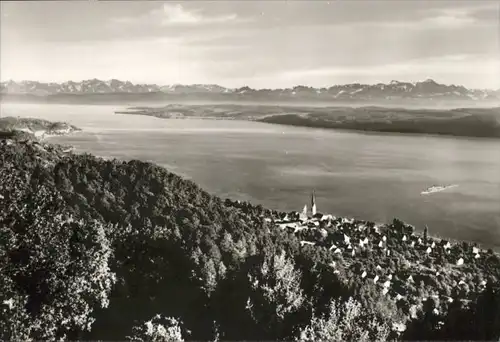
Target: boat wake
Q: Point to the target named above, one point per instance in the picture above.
(434, 189)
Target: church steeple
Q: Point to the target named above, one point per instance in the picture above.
(313, 204)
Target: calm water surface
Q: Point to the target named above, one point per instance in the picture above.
(369, 176)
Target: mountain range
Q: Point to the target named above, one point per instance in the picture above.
(425, 90)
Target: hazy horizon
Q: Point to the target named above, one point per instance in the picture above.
(222, 85)
(278, 44)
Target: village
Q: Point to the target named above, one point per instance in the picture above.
(407, 262)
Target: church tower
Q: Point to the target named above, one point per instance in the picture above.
(303, 214)
(313, 204)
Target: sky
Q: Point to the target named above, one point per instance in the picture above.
(261, 44)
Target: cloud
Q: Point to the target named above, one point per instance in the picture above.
(450, 18)
(459, 17)
(448, 63)
(177, 15)
(479, 66)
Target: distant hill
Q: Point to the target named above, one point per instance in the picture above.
(31, 127)
(95, 90)
(472, 122)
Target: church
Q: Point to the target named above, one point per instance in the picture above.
(313, 212)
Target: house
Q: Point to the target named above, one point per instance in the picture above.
(387, 283)
(302, 243)
(295, 216)
(385, 290)
(313, 224)
(429, 250)
(333, 246)
(318, 216)
(363, 274)
(375, 279)
(350, 221)
(460, 261)
(326, 218)
(360, 227)
(404, 238)
(9, 303)
(284, 217)
(398, 327)
(475, 250)
(283, 225)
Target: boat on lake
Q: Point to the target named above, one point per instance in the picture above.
(437, 188)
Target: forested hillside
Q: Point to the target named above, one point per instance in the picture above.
(111, 250)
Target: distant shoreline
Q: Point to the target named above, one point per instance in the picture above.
(33, 128)
(462, 122)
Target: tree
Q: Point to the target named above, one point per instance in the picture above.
(158, 329)
(55, 269)
(209, 275)
(276, 293)
(346, 321)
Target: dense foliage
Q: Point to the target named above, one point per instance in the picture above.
(109, 250)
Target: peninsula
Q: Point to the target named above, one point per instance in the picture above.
(468, 122)
(33, 128)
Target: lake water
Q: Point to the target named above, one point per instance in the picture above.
(368, 176)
